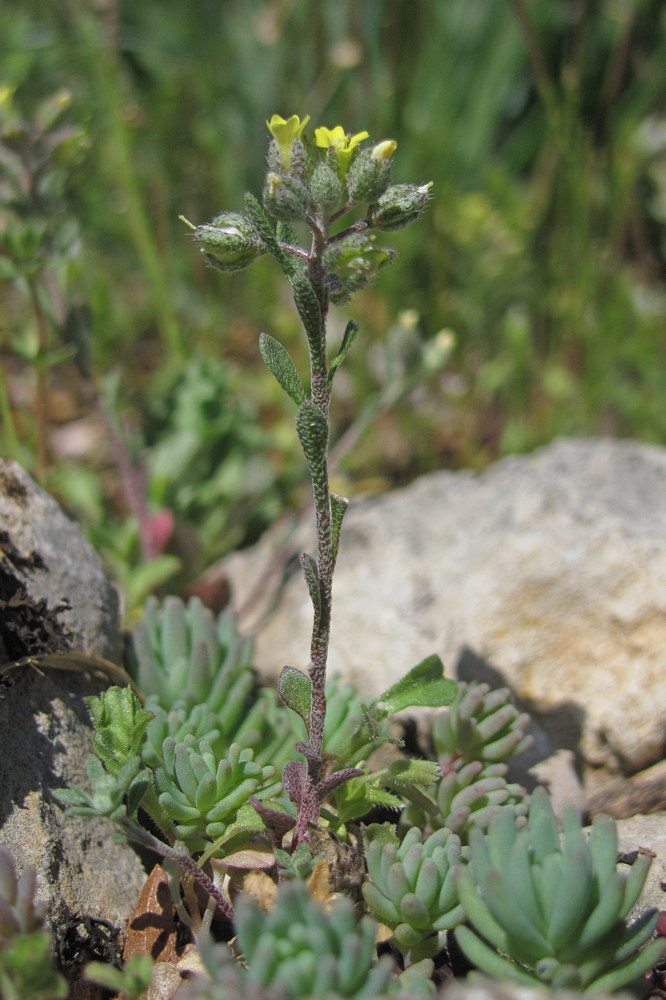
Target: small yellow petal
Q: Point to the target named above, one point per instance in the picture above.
(384, 149)
(284, 131)
(327, 137)
(355, 139)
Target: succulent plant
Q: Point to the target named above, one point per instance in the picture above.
(480, 724)
(20, 912)
(26, 959)
(466, 798)
(195, 668)
(181, 653)
(201, 793)
(411, 887)
(301, 949)
(551, 909)
(115, 795)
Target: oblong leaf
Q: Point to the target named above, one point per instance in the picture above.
(295, 689)
(279, 363)
(425, 684)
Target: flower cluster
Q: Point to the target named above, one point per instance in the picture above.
(318, 181)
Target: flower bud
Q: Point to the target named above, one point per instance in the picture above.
(229, 242)
(298, 164)
(353, 264)
(325, 186)
(285, 198)
(399, 205)
(368, 175)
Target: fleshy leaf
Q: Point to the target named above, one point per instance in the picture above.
(279, 363)
(425, 684)
(295, 689)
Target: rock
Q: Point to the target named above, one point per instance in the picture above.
(647, 833)
(54, 590)
(479, 988)
(55, 596)
(546, 572)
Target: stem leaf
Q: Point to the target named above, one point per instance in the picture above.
(295, 689)
(339, 505)
(263, 228)
(309, 309)
(347, 340)
(312, 429)
(279, 363)
(311, 574)
(425, 684)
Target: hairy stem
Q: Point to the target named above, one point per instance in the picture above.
(308, 810)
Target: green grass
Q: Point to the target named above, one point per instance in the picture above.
(544, 253)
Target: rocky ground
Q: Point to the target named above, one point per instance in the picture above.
(547, 573)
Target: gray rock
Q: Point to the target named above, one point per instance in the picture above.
(55, 596)
(546, 572)
(647, 833)
(54, 590)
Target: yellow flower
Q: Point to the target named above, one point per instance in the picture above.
(336, 138)
(285, 131)
(384, 149)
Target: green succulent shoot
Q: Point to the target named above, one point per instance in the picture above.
(300, 949)
(181, 653)
(473, 736)
(196, 673)
(26, 953)
(201, 793)
(552, 909)
(411, 887)
(480, 724)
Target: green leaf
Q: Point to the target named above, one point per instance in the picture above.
(295, 689)
(347, 340)
(425, 684)
(262, 226)
(143, 580)
(309, 309)
(408, 772)
(312, 429)
(286, 233)
(279, 363)
(339, 507)
(26, 969)
(312, 579)
(384, 833)
(132, 982)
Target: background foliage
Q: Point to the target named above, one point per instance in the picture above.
(542, 263)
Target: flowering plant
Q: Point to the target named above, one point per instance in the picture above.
(318, 184)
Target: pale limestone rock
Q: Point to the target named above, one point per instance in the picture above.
(548, 570)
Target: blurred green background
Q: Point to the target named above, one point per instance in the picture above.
(540, 267)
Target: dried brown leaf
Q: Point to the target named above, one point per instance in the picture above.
(152, 928)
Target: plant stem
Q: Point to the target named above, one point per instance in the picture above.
(308, 809)
(41, 386)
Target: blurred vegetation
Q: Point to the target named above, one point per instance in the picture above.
(542, 262)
